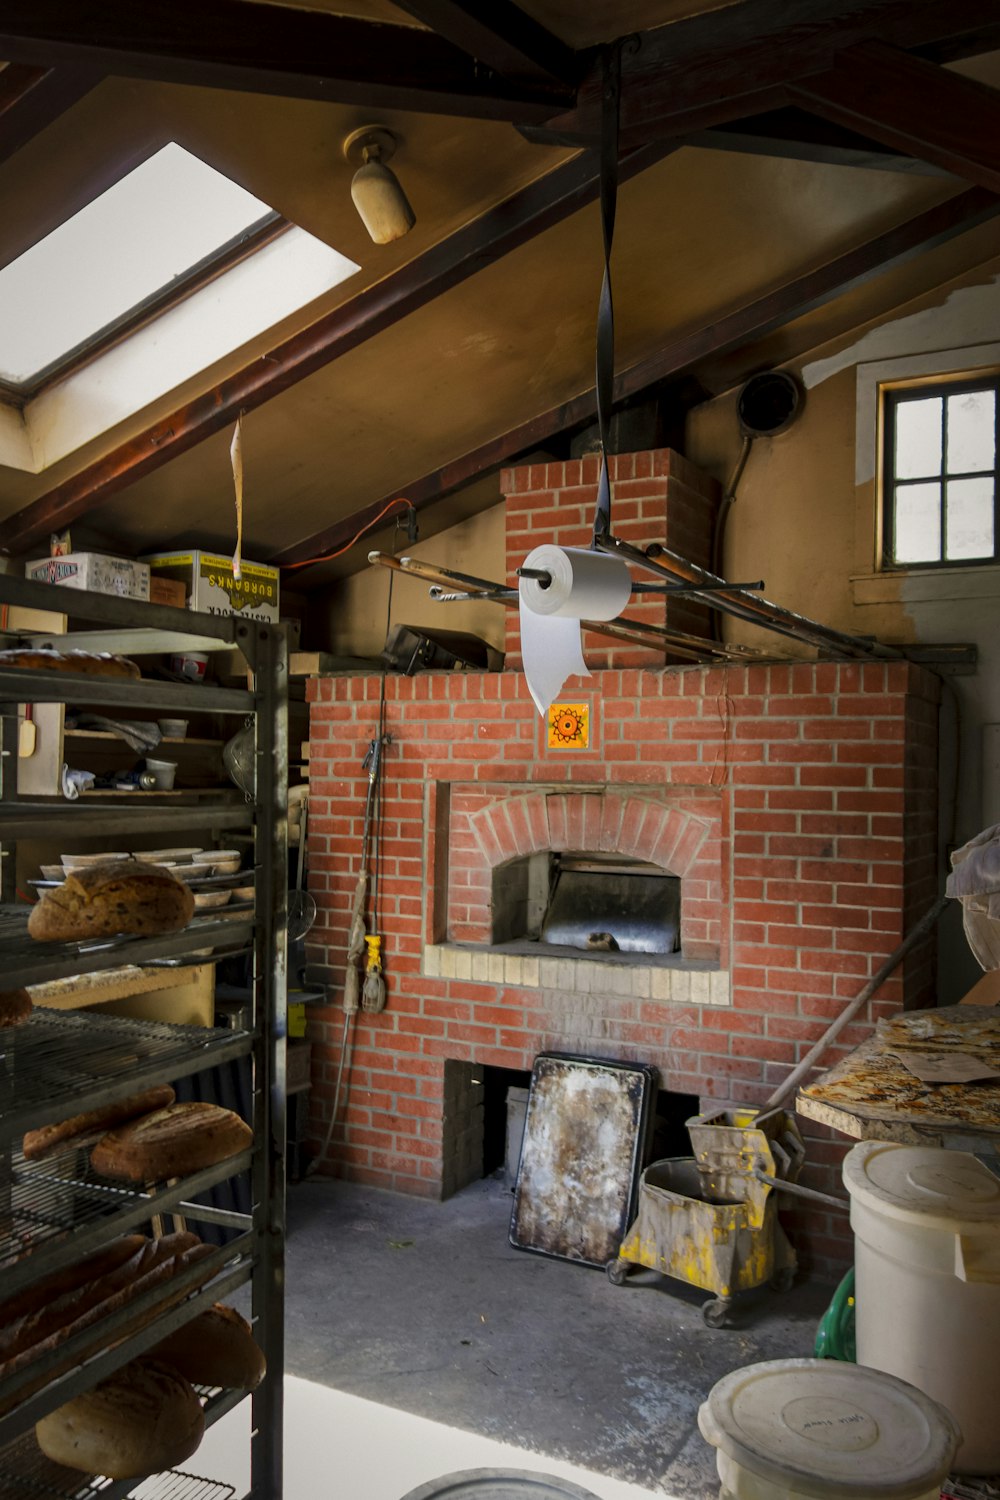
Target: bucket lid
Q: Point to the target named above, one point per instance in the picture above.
(499, 1484)
(829, 1429)
(923, 1184)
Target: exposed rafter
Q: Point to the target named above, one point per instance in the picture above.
(795, 135)
(272, 49)
(31, 98)
(701, 71)
(509, 224)
(741, 326)
(913, 106)
(501, 35)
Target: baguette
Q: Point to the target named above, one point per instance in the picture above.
(143, 1419)
(215, 1348)
(15, 1007)
(56, 1313)
(91, 1267)
(89, 663)
(172, 1142)
(83, 1348)
(40, 1143)
(103, 900)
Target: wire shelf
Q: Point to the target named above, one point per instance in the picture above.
(58, 1209)
(26, 1472)
(62, 1063)
(27, 962)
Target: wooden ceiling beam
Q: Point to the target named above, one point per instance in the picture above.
(272, 49)
(33, 97)
(795, 135)
(733, 330)
(501, 35)
(515, 221)
(913, 106)
(698, 72)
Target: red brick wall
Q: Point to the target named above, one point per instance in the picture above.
(657, 496)
(814, 783)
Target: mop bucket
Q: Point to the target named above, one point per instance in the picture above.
(686, 1231)
(709, 1220)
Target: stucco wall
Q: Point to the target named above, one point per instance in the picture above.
(805, 520)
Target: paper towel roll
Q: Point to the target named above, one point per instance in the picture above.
(585, 586)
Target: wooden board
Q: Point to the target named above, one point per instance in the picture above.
(870, 1094)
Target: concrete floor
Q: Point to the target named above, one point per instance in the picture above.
(424, 1308)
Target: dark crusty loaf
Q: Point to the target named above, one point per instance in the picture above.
(89, 663)
(48, 1138)
(171, 1142)
(120, 897)
(143, 1419)
(15, 1007)
(215, 1348)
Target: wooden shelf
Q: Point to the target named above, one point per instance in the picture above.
(105, 734)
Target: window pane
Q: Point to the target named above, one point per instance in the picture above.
(127, 245)
(971, 418)
(918, 438)
(969, 518)
(917, 530)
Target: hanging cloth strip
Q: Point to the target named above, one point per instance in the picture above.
(605, 376)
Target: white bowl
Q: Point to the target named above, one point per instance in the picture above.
(175, 856)
(163, 773)
(205, 899)
(52, 872)
(82, 861)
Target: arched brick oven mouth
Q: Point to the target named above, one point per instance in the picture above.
(585, 902)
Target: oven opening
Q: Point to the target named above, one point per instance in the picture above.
(590, 903)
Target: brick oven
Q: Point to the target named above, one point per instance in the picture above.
(794, 803)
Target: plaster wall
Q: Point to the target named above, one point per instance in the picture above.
(806, 520)
(359, 605)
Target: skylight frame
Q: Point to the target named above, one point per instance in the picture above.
(215, 264)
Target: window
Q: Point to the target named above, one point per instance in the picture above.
(940, 474)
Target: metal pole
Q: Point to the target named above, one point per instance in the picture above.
(759, 612)
(270, 1032)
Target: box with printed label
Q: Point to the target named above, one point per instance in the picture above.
(211, 588)
(94, 572)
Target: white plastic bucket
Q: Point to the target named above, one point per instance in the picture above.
(815, 1429)
(927, 1260)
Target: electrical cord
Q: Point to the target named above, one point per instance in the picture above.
(309, 562)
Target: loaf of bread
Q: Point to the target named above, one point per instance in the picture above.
(215, 1348)
(49, 1138)
(104, 900)
(76, 1322)
(88, 663)
(15, 1007)
(143, 1419)
(171, 1142)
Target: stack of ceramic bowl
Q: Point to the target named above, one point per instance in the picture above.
(217, 861)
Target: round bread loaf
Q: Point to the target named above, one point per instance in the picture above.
(215, 1348)
(94, 1122)
(15, 1007)
(143, 1419)
(89, 663)
(171, 1142)
(124, 896)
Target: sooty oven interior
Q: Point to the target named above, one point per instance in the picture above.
(589, 903)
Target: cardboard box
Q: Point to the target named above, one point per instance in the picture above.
(211, 588)
(167, 591)
(94, 572)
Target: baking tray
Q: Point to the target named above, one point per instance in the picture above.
(586, 1133)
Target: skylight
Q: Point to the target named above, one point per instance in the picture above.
(143, 237)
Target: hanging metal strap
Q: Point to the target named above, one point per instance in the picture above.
(605, 376)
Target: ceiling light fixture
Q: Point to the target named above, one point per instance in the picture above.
(378, 197)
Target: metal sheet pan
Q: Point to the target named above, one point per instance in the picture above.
(585, 1135)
